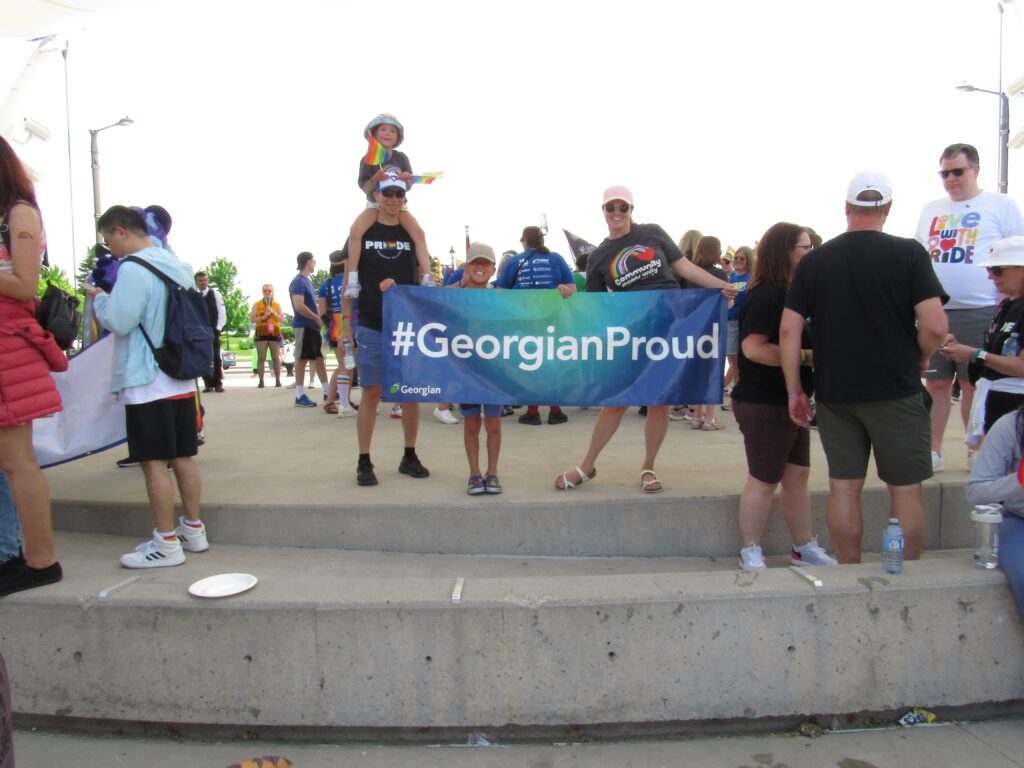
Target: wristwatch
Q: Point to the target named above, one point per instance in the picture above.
(982, 355)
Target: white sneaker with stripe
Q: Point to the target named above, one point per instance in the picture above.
(155, 553)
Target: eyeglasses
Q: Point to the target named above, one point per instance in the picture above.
(995, 271)
(739, 258)
(958, 172)
(805, 247)
(393, 192)
(623, 207)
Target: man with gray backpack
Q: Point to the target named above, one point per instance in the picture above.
(150, 310)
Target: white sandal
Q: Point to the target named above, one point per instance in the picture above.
(645, 485)
(568, 485)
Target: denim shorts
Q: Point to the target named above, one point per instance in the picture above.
(474, 410)
(369, 356)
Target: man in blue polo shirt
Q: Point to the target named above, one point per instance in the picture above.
(537, 267)
(307, 328)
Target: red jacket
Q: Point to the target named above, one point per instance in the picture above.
(27, 356)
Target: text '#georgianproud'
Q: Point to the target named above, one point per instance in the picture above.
(431, 340)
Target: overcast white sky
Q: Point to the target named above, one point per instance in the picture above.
(721, 116)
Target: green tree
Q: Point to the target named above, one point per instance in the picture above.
(319, 277)
(58, 277)
(86, 265)
(222, 274)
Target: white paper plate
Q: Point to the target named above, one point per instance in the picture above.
(223, 585)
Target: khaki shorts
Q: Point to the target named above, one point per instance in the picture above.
(898, 431)
(969, 326)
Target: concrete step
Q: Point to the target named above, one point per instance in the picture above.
(365, 643)
(576, 526)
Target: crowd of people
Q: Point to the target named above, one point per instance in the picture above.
(841, 332)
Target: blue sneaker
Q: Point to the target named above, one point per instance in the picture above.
(304, 402)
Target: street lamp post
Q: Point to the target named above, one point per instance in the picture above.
(1004, 131)
(451, 255)
(94, 147)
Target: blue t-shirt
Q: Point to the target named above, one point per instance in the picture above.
(455, 277)
(538, 270)
(741, 282)
(302, 285)
(331, 290)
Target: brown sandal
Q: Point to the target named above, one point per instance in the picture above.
(331, 407)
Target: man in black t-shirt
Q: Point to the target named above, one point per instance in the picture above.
(388, 259)
(875, 308)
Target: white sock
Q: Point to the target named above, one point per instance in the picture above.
(343, 384)
(300, 390)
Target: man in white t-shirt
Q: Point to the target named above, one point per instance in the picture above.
(958, 231)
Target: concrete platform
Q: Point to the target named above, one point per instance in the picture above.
(360, 643)
(596, 610)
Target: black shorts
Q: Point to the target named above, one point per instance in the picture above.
(771, 440)
(309, 343)
(162, 430)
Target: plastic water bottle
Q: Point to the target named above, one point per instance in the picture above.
(1011, 347)
(892, 547)
(985, 519)
(349, 358)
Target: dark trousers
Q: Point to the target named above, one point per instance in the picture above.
(217, 379)
(6, 734)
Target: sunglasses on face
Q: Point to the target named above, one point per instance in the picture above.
(268, 291)
(958, 172)
(623, 207)
(995, 271)
(393, 192)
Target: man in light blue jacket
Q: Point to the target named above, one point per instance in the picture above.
(160, 411)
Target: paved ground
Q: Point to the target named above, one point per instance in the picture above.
(993, 744)
(261, 448)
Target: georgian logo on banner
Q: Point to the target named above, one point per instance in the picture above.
(498, 347)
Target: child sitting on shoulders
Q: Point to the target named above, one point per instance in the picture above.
(389, 133)
(477, 273)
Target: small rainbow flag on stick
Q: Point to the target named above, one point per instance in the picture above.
(426, 178)
(376, 154)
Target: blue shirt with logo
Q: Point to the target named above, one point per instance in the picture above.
(532, 269)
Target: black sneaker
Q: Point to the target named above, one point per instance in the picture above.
(642, 410)
(557, 417)
(411, 466)
(16, 575)
(364, 475)
(127, 462)
(533, 419)
(507, 411)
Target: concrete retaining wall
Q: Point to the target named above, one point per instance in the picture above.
(575, 527)
(542, 652)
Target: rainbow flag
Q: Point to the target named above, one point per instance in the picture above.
(376, 154)
(730, 252)
(426, 178)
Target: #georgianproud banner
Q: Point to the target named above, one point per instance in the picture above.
(521, 346)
